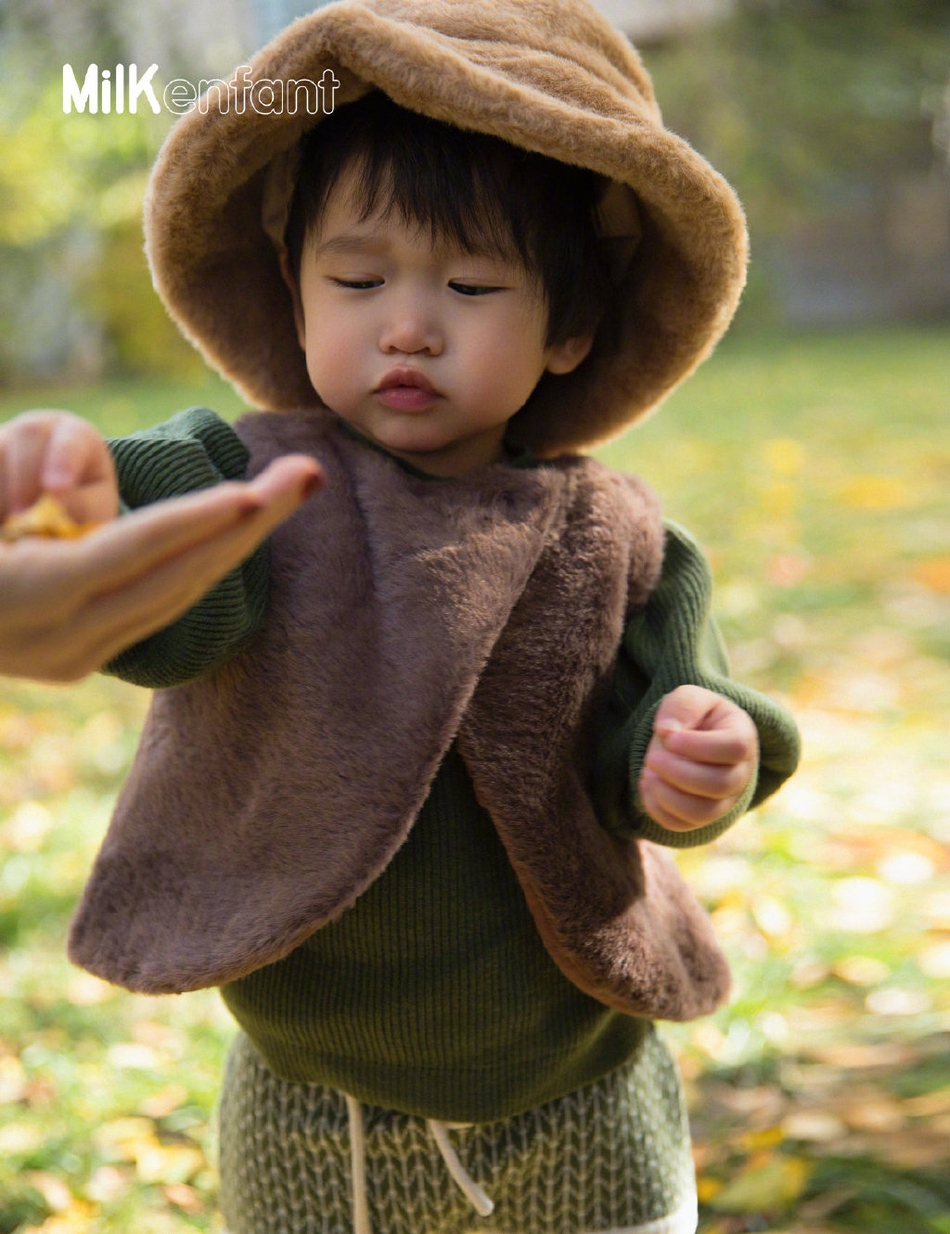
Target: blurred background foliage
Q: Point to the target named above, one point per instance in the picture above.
(832, 119)
(76, 301)
(795, 101)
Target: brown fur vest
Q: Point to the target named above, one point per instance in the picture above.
(404, 613)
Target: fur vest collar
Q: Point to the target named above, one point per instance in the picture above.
(404, 613)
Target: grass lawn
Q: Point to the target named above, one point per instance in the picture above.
(816, 471)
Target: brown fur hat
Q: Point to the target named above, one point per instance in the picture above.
(551, 76)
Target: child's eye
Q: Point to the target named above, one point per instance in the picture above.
(357, 284)
(472, 289)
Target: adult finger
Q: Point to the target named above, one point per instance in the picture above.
(147, 602)
(75, 454)
(78, 468)
(23, 456)
(125, 616)
(130, 547)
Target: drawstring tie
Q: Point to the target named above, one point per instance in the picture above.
(439, 1131)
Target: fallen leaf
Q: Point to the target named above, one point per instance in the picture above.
(935, 960)
(768, 1185)
(173, 1163)
(861, 970)
(162, 1103)
(891, 1000)
(85, 990)
(13, 1081)
(876, 1114)
(818, 1126)
(125, 1137)
(53, 1190)
(19, 1139)
(877, 492)
(928, 1104)
(934, 573)
(184, 1197)
(107, 1183)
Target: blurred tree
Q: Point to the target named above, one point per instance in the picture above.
(76, 299)
(798, 100)
(832, 119)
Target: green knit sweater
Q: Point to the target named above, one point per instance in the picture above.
(434, 994)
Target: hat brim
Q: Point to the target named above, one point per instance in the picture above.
(576, 94)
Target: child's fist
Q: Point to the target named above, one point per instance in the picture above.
(59, 453)
(702, 755)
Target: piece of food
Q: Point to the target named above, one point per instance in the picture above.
(46, 517)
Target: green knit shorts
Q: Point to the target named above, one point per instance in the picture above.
(611, 1157)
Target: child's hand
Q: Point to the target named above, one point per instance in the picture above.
(702, 755)
(59, 453)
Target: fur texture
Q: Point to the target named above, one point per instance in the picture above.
(548, 75)
(405, 613)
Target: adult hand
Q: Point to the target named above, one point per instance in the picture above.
(68, 606)
(702, 755)
(60, 453)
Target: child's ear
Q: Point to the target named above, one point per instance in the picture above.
(565, 357)
(288, 276)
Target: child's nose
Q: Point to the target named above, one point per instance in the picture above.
(411, 328)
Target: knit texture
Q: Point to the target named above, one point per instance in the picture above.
(674, 641)
(611, 1156)
(194, 450)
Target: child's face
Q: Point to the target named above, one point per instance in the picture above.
(429, 352)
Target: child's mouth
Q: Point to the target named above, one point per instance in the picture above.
(406, 389)
(406, 398)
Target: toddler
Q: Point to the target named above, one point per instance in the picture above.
(409, 773)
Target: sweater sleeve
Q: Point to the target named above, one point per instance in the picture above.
(194, 450)
(674, 641)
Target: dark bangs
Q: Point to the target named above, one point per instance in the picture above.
(465, 189)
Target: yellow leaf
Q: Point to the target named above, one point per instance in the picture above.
(779, 499)
(874, 492)
(175, 1163)
(861, 905)
(861, 970)
(928, 1104)
(107, 1184)
(817, 1126)
(19, 1139)
(935, 960)
(770, 1137)
(880, 1113)
(771, 916)
(85, 990)
(167, 1099)
(28, 828)
(53, 1190)
(125, 1137)
(784, 455)
(934, 573)
(77, 1219)
(765, 1184)
(13, 1081)
(707, 1188)
(184, 1197)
